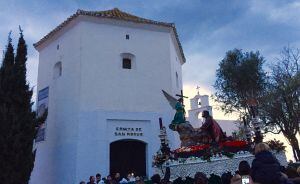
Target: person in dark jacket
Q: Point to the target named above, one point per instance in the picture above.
(226, 177)
(91, 180)
(98, 178)
(155, 179)
(200, 178)
(117, 178)
(243, 172)
(265, 167)
(167, 176)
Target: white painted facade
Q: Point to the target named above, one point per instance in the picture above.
(94, 94)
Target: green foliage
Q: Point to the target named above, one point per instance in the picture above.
(17, 120)
(240, 78)
(276, 145)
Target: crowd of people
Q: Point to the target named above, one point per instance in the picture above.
(116, 179)
(265, 169)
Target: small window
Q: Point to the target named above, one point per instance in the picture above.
(127, 37)
(126, 63)
(57, 71)
(57, 46)
(177, 80)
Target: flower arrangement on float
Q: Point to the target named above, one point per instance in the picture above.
(204, 152)
(208, 151)
(227, 148)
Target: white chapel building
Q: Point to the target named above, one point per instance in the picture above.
(101, 76)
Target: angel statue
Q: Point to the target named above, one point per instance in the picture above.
(187, 133)
(180, 112)
(179, 116)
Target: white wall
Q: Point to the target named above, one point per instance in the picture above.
(106, 85)
(55, 156)
(94, 88)
(175, 67)
(228, 126)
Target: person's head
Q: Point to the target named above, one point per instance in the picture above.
(226, 178)
(205, 114)
(129, 176)
(98, 177)
(291, 172)
(244, 168)
(137, 178)
(260, 147)
(155, 178)
(117, 175)
(92, 178)
(109, 177)
(180, 100)
(139, 181)
(82, 182)
(200, 178)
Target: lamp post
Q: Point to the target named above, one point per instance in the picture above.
(255, 120)
(258, 136)
(247, 131)
(165, 149)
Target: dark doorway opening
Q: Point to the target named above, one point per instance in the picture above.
(128, 156)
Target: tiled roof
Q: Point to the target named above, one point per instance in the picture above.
(111, 14)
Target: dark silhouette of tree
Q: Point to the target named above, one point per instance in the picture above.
(8, 124)
(280, 106)
(18, 121)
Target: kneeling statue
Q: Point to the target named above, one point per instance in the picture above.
(212, 128)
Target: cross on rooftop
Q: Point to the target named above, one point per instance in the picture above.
(198, 87)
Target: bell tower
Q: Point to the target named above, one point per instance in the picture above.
(198, 104)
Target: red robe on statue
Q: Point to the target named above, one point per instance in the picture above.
(213, 129)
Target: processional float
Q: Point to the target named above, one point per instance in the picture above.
(200, 151)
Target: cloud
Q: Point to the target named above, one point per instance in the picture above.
(200, 69)
(264, 26)
(284, 12)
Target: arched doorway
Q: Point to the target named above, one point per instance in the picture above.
(128, 156)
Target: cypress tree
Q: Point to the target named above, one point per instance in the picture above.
(8, 124)
(25, 117)
(17, 120)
